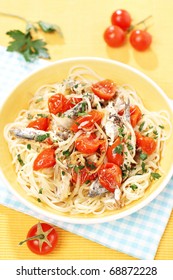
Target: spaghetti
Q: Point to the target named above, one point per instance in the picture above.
(87, 145)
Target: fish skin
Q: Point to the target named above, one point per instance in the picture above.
(73, 112)
(96, 189)
(27, 133)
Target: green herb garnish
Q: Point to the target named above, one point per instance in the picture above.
(129, 147)
(40, 191)
(141, 126)
(41, 138)
(118, 149)
(133, 187)
(24, 43)
(143, 167)
(20, 160)
(66, 153)
(155, 175)
(28, 146)
(143, 156)
(77, 168)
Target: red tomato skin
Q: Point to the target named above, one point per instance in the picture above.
(91, 118)
(110, 176)
(84, 176)
(114, 157)
(58, 103)
(87, 144)
(121, 18)
(45, 159)
(33, 245)
(41, 124)
(147, 144)
(135, 115)
(114, 36)
(105, 89)
(140, 40)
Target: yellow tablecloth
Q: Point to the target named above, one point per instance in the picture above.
(82, 23)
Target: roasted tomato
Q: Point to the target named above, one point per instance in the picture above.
(88, 144)
(41, 124)
(147, 144)
(105, 89)
(45, 159)
(112, 155)
(87, 122)
(110, 176)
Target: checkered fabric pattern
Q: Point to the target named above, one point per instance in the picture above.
(137, 235)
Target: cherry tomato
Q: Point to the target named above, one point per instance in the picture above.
(121, 18)
(140, 39)
(87, 144)
(110, 176)
(45, 159)
(84, 176)
(135, 114)
(105, 89)
(41, 239)
(147, 144)
(58, 103)
(114, 36)
(87, 121)
(112, 156)
(41, 124)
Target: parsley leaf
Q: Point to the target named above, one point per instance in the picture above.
(143, 156)
(118, 149)
(24, 44)
(41, 138)
(134, 187)
(155, 175)
(49, 27)
(20, 160)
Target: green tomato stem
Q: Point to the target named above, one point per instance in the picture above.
(39, 236)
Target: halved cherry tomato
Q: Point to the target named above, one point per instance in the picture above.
(135, 114)
(41, 239)
(41, 124)
(58, 103)
(105, 89)
(87, 121)
(84, 176)
(112, 156)
(88, 144)
(110, 176)
(45, 159)
(147, 144)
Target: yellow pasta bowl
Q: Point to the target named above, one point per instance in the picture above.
(153, 98)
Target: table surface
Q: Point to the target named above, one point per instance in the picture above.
(82, 24)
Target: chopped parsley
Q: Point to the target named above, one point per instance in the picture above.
(120, 131)
(155, 175)
(63, 173)
(77, 168)
(38, 199)
(118, 149)
(129, 147)
(66, 153)
(143, 156)
(39, 100)
(143, 167)
(161, 126)
(28, 146)
(41, 138)
(40, 191)
(20, 160)
(133, 187)
(91, 166)
(141, 126)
